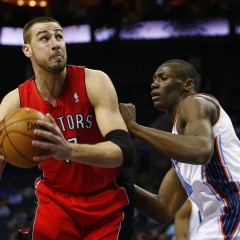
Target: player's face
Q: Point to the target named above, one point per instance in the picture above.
(48, 47)
(167, 89)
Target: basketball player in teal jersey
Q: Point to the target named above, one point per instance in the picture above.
(84, 192)
(204, 149)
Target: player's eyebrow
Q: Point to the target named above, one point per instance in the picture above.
(44, 31)
(40, 32)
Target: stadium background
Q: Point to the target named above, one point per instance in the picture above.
(130, 63)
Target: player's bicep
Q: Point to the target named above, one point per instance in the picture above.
(200, 127)
(103, 97)
(10, 102)
(197, 116)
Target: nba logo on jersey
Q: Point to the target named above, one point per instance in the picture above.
(76, 97)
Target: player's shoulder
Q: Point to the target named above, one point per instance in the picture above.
(94, 72)
(12, 96)
(96, 77)
(200, 100)
(10, 101)
(99, 86)
(200, 105)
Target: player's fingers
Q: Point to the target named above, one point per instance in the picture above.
(42, 157)
(50, 127)
(43, 145)
(47, 137)
(50, 118)
(44, 124)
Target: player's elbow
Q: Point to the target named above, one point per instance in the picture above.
(125, 143)
(163, 218)
(166, 220)
(161, 213)
(129, 156)
(204, 155)
(204, 160)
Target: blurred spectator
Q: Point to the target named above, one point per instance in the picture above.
(16, 198)
(5, 210)
(20, 219)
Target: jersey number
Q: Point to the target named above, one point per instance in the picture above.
(72, 140)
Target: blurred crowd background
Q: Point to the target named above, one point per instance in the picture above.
(113, 12)
(130, 65)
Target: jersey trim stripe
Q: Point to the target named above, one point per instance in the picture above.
(220, 181)
(230, 226)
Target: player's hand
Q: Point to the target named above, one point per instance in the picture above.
(2, 158)
(128, 112)
(53, 141)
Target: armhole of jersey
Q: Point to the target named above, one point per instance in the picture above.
(22, 91)
(20, 102)
(208, 96)
(174, 129)
(212, 99)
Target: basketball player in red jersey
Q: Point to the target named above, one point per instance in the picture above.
(84, 192)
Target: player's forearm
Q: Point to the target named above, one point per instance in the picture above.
(151, 205)
(194, 149)
(180, 237)
(105, 154)
(181, 228)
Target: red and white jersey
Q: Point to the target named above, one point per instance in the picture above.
(75, 117)
(215, 187)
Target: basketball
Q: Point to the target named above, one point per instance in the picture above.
(16, 135)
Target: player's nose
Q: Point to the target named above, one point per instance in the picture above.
(55, 43)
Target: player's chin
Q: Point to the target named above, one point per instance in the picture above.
(158, 106)
(57, 67)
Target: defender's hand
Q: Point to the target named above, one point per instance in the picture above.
(128, 112)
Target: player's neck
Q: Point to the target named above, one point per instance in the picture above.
(185, 96)
(172, 112)
(50, 86)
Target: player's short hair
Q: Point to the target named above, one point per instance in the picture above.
(186, 70)
(26, 33)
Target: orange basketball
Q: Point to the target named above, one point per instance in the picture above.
(16, 135)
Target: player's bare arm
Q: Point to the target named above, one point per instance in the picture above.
(10, 102)
(103, 97)
(170, 198)
(181, 221)
(195, 139)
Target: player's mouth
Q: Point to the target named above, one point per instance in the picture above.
(155, 96)
(56, 56)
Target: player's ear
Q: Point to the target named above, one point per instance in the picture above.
(189, 84)
(26, 48)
